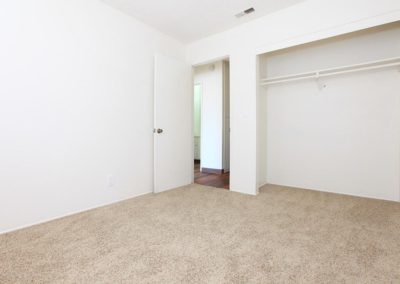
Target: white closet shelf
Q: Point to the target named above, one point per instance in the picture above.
(371, 65)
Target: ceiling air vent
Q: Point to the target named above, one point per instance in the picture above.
(245, 12)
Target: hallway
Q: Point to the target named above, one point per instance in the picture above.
(214, 180)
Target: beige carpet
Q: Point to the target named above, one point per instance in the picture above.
(198, 234)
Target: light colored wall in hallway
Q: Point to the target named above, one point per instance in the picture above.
(226, 116)
(197, 121)
(76, 104)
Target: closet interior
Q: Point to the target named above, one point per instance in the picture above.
(329, 114)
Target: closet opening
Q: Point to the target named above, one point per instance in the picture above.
(328, 114)
(211, 124)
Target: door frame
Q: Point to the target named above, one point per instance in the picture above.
(223, 58)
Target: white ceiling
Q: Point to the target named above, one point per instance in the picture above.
(189, 20)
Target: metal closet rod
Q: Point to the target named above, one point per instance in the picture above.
(371, 65)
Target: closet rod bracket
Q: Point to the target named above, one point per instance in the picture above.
(321, 85)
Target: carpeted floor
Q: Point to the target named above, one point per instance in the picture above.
(198, 234)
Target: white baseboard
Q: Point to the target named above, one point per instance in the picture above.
(335, 192)
(72, 213)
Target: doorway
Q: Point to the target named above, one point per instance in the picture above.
(211, 124)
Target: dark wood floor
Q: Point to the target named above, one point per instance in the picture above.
(214, 180)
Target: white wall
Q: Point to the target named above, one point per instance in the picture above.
(76, 104)
(197, 121)
(226, 116)
(346, 137)
(210, 78)
(305, 22)
(197, 111)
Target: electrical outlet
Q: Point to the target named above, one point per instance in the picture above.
(111, 181)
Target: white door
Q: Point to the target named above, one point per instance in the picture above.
(173, 140)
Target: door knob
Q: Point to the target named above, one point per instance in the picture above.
(159, 130)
